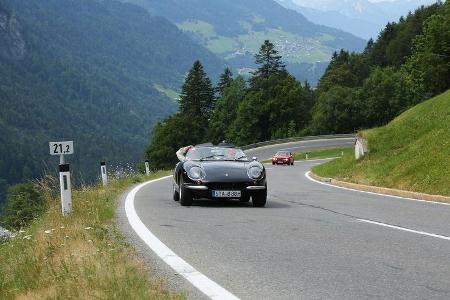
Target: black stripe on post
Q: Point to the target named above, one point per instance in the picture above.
(146, 161)
(64, 168)
(103, 163)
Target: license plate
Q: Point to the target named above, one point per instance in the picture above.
(226, 194)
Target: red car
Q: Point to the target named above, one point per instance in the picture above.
(283, 158)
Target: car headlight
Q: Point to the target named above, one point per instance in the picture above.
(196, 173)
(255, 172)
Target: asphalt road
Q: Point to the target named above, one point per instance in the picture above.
(266, 152)
(311, 241)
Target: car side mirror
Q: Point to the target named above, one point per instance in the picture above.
(254, 158)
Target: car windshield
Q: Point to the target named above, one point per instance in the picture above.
(282, 153)
(216, 153)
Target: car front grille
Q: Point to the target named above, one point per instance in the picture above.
(226, 186)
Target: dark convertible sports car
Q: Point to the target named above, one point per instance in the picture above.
(219, 172)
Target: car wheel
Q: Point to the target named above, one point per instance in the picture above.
(186, 198)
(292, 163)
(273, 163)
(244, 199)
(259, 199)
(176, 195)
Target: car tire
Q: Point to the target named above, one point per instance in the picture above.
(292, 163)
(176, 195)
(273, 163)
(186, 198)
(259, 199)
(244, 199)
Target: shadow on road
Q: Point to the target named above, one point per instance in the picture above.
(235, 204)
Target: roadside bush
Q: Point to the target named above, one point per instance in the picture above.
(23, 204)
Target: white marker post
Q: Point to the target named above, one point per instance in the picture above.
(104, 175)
(147, 168)
(66, 189)
(306, 156)
(61, 149)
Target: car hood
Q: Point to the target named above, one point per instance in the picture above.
(225, 171)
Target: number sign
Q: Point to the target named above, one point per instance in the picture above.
(61, 148)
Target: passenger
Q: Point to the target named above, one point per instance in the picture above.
(181, 153)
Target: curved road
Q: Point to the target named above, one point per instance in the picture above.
(311, 241)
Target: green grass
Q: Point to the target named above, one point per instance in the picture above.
(320, 153)
(202, 28)
(81, 256)
(323, 153)
(411, 153)
(222, 44)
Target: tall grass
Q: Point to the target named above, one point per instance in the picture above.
(80, 256)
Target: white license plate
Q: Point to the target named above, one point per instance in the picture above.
(226, 194)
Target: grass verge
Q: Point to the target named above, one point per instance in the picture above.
(80, 256)
(410, 153)
(320, 153)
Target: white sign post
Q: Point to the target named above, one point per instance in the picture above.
(147, 168)
(61, 149)
(104, 174)
(66, 189)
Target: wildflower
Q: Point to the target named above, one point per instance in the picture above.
(27, 237)
(88, 228)
(48, 231)
(89, 241)
(53, 229)
(21, 231)
(62, 227)
(66, 237)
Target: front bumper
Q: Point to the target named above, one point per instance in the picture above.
(281, 161)
(206, 190)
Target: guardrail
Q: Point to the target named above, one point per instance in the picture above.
(297, 139)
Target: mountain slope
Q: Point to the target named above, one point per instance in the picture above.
(412, 152)
(235, 30)
(362, 18)
(85, 70)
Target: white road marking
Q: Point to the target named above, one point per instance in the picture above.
(373, 193)
(443, 237)
(210, 288)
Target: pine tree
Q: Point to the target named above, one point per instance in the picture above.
(197, 93)
(225, 81)
(269, 60)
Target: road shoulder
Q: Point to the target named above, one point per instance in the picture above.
(381, 190)
(153, 264)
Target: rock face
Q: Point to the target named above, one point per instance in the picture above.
(361, 147)
(4, 233)
(12, 42)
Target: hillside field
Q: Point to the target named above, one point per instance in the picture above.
(411, 153)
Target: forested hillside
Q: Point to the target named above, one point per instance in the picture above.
(363, 18)
(234, 30)
(85, 70)
(408, 63)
